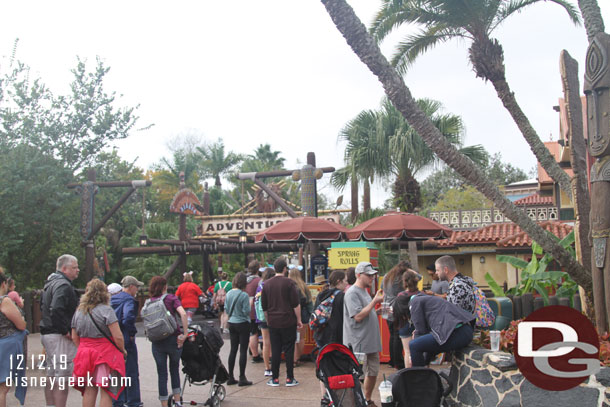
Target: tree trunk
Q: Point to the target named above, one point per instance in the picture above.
(592, 16)
(366, 196)
(487, 58)
(367, 50)
(578, 154)
(354, 191)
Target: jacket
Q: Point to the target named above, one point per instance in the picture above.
(58, 304)
(430, 314)
(126, 309)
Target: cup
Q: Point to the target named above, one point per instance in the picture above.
(494, 337)
(385, 310)
(360, 357)
(385, 393)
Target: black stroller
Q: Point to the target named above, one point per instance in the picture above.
(420, 387)
(339, 370)
(202, 365)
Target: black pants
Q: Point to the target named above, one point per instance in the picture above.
(282, 339)
(396, 358)
(240, 335)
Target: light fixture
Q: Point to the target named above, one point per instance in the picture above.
(243, 236)
(482, 259)
(143, 240)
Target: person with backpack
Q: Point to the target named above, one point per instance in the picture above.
(159, 314)
(126, 307)
(262, 323)
(220, 295)
(331, 331)
(461, 292)
(410, 280)
(238, 311)
(440, 326)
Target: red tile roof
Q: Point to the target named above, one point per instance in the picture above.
(534, 199)
(522, 239)
(500, 234)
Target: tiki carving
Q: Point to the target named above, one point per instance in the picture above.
(597, 91)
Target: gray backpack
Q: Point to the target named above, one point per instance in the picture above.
(159, 323)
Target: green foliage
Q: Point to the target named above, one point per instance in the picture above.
(464, 198)
(46, 139)
(444, 179)
(535, 276)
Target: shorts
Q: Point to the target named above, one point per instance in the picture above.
(406, 331)
(371, 364)
(60, 354)
(254, 330)
(263, 325)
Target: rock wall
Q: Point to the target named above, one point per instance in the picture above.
(485, 378)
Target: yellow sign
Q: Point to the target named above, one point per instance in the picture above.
(342, 258)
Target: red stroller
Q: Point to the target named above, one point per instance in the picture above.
(338, 369)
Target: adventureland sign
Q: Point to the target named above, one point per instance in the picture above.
(225, 226)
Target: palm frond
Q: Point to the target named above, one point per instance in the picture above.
(508, 8)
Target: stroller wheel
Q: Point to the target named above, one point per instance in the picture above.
(215, 401)
(170, 401)
(220, 392)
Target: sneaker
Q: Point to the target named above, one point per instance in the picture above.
(370, 403)
(231, 381)
(244, 382)
(268, 373)
(273, 383)
(291, 382)
(326, 402)
(257, 359)
(225, 331)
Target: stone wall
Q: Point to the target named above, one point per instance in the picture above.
(485, 378)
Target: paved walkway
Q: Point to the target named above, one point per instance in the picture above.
(259, 394)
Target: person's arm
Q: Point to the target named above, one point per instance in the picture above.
(364, 312)
(129, 317)
(297, 312)
(75, 337)
(417, 318)
(11, 311)
(117, 336)
(245, 304)
(185, 325)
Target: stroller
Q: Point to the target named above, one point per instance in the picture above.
(202, 365)
(338, 369)
(420, 386)
(206, 306)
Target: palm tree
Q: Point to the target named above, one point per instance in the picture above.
(362, 157)
(409, 154)
(369, 53)
(267, 160)
(216, 163)
(472, 20)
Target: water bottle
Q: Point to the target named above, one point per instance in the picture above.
(385, 393)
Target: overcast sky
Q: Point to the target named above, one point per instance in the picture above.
(279, 72)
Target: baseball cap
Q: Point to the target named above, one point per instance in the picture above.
(114, 288)
(364, 267)
(129, 280)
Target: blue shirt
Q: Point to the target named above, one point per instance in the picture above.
(237, 305)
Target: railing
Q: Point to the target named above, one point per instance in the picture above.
(476, 218)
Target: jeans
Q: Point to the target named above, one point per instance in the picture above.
(240, 336)
(130, 396)
(282, 339)
(161, 350)
(396, 358)
(425, 348)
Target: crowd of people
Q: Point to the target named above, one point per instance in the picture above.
(94, 336)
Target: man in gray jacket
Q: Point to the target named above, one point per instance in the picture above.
(58, 304)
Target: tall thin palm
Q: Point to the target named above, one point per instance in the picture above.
(409, 154)
(216, 162)
(472, 20)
